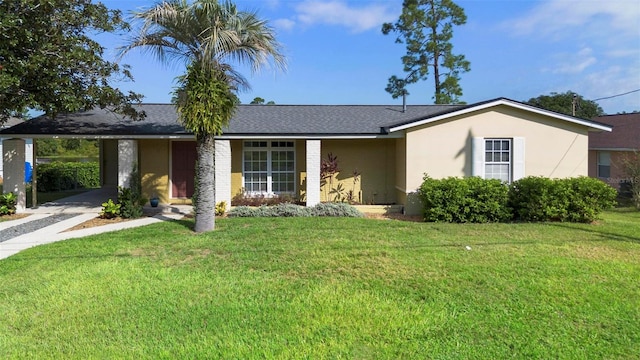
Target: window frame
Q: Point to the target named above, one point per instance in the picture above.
(500, 151)
(271, 147)
(599, 164)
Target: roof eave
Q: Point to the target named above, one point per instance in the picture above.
(506, 102)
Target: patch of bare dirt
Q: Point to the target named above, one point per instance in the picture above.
(13, 217)
(98, 221)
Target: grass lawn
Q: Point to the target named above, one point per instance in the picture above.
(329, 288)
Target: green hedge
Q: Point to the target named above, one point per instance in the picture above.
(578, 199)
(59, 176)
(477, 200)
(292, 210)
(464, 200)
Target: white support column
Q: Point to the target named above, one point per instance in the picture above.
(127, 159)
(14, 158)
(223, 171)
(313, 172)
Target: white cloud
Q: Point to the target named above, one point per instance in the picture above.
(284, 24)
(357, 19)
(555, 17)
(574, 63)
(612, 81)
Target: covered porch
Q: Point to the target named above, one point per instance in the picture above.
(163, 166)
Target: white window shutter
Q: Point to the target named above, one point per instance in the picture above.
(518, 158)
(477, 154)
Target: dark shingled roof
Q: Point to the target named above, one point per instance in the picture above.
(263, 120)
(253, 120)
(625, 134)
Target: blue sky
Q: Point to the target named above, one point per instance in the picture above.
(518, 49)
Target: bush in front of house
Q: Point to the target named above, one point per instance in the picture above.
(335, 210)
(245, 199)
(532, 198)
(292, 210)
(60, 176)
(464, 200)
(589, 197)
(579, 199)
(536, 198)
(8, 203)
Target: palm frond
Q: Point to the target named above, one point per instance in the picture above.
(211, 33)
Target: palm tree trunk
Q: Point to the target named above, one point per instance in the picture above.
(205, 191)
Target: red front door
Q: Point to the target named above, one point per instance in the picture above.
(183, 165)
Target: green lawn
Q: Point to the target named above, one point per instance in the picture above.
(329, 288)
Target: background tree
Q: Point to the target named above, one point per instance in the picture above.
(260, 101)
(208, 36)
(565, 103)
(631, 169)
(426, 27)
(49, 63)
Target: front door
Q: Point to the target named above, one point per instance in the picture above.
(183, 165)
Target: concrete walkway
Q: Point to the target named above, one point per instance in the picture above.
(82, 207)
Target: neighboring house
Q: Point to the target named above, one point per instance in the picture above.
(279, 148)
(28, 145)
(607, 150)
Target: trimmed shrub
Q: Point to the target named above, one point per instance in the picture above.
(244, 199)
(60, 176)
(579, 199)
(589, 198)
(535, 198)
(464, 200)
(335, 209)
(292, 210)
(242, 211)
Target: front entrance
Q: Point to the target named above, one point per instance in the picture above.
(183, 168)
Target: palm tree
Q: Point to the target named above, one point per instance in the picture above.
(208, 36)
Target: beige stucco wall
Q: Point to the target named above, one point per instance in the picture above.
(553, 148)
(154, 168)
(401, 170)
(375, 161)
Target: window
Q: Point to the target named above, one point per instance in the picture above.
(497, 159)
(269, 167)
(604, 164)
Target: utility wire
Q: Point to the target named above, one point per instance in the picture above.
(613, 96)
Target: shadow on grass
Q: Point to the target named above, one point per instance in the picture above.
(186, 223)
(599, 231)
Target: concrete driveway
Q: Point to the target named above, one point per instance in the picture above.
(49, 222)
(87, 202)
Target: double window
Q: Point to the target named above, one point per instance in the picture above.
(269, 167)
